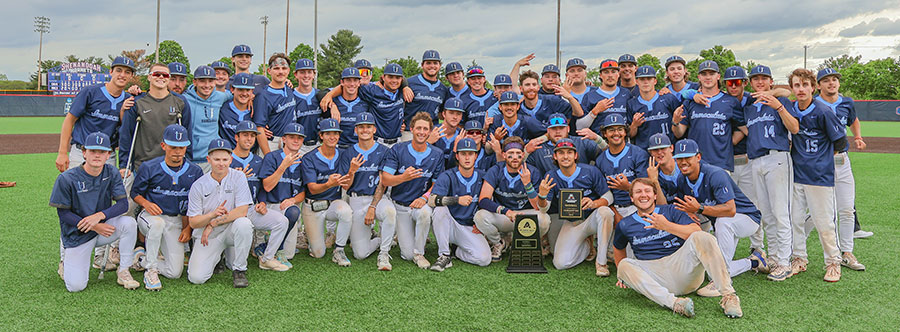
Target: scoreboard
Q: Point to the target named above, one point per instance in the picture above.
(69, 78)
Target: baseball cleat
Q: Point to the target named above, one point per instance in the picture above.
(139, 255)
(151, 280)
(421, 261)
(384, 262)
(98, 259)
(239, 279)
(684, 306)
(593, 254)
(602, 270)
(339, 257)
(545, 246)
(709, 290)
(798, 265)
(507, 241)
(761, 265)
(60, 271)
(861, 234)
(329, 240)
(731, 305)
(220, 267)
(497, 251)
(279, 255)
(779, 273)
(259, 250)
(273, 264)
(442, 263)
(302, 242)
(114, 255)
(850, 261)
(123, 277)
(833, 272)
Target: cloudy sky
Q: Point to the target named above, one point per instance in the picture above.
(494, 33)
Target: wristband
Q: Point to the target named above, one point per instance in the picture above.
(528, 187)
(700, 210)
(542, 197)
(503, 210)
(531, 193)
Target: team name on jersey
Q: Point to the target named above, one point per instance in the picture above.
(175, 193)
(382, 104)
(104, 116)
(436, 99)
(370, 168)
(715, 115)
(808, 132)
(282, 107)
(644, 239)
(761, 118)
(620, 109)
(425, 173)
(628, 173)
(296, 182)
(659, 116)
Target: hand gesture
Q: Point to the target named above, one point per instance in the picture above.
(526, 61)
(500, 132)
(587, 133)
(678, 115)
(436, 134)
(289, 159)
(525, 174)
(495, 144)
(418, 203)
(152, 208)
(618, 181)
(699, 98)
(104, 229)
(355, 163)
(770, 101)
(204, 239)
(465, 200)
(653, 169)
(488, 121)
(128, 104)
(248, 171)
(546, 185)
(637, 120)
(568, 85)
(87, 224)
(284, 205)
(221, 210)
(370, 216)
(185, 235)
(345, 180)
(603, 105)
(268, 132)
(412, 173)
(656, 221)
(134, 90)
(689, 204)
(333, 180)
(562, 92)
(535, 144)
(62, 162)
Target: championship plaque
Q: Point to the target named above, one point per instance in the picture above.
(525, 255)
(570, 204)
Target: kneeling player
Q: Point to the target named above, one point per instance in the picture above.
(282, 192)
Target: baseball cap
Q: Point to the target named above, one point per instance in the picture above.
(735, 73)
(304, 64)
(241, 49)
(466, 144)
(613, 119)
(220, 65)
(645, 71)
(575, 62)
(204, 72)
(453, 104)
(675, 58)
(350, 72)
(659, 141)
(708, 65)
(452, 68)
(329, 124)
(551, 68)
(509, 97)
(827, 72)
(686, 148)
(176, 135)
(294, 128)
(557, 120)
(177, 69)
(393, 69)
(219, 144)
(97, 141)
(475, 71)
(564, 143)
(431, 55)
(502, 79)
(760, 70)
(245, 126)
(473, 125)
(609, 64)
(362, 63)
(627, 58)
(123, 61)
(242, 81)
(365, 118)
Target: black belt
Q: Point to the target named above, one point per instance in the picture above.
(354, 194)
(617, 206)
(310, 143)
(342, 146)
(389, 140)
(770, 151)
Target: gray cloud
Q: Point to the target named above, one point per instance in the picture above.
(878, 27)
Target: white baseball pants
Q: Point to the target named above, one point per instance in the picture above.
(77, 262)
(412, 229)
(233, 239)
(161, 235)
(361, 234)
(471, 248)
(773, 181)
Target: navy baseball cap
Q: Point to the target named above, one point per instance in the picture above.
(708, 65)
(350, 72)
(176, 135)
(219, 144)
(304, 64)
(294, 128)
(659, 141)
(827, 72)
(675, 58)
(453, 104)
(564, 143)
(613, 119)
(122, 61)
(551, 68)
(452, 68)
(393, 69)
(329, 124)
(475, 71)
(575, 62)
(431, 55)
(736, 73)
(204, 72)
(557, 120)
(502, 79)
(627, 58)
(365, 118)
(362, 63)
(177, 69)
(645, 71)
(241, 49)
(97, 141)
(473, 125)
(220, 65)
(609, 64)
(466, 144)
(242, 81)
(245, 126)
(761, 70)
(686, 148)
(509, 97)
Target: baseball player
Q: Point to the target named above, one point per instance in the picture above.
(611, 100)
(83, 199)
(273, 106)
(178, 79)
(485, 159)
(671, 254)
(450, 131)
(709, 194)
(365, 70)
(829, 82)
(502, 83)
(677, 75)
(410, 169)
(428, 89)
(307, 110)
(383, 100)
(512, 123)
(238, 109)
(241, 56)
(223, 75)
(661, 167)
(627, 70)
(348, 104)
(735, 80)
(542, 106)
(250, 163)
(539, 151)
(812, 152)
(508, 190)
(217, 211)
(282, 190)
(456, 77)
(363, 162)
(323, 194)
(161, 188)
(549, 79)
(205, 102)
(621, 163)
(454, 208)
(479, 98)
(576, 78)
(650, 112)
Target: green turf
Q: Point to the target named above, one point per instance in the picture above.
(318, 295)
(879, 129)
(30, 125)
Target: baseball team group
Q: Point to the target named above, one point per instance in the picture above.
(238, 164)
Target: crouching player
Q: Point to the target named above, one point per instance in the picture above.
(282, 193)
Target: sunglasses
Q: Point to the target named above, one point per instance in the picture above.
(365, 72)
(160, 74)
(734, 83)
(609, 64)
(557, 121)
(565, 145)
(476, 71)
(474, 132)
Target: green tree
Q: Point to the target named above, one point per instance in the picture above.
(722, 56)
(170, 51)
(876, 79)
(336, 55)
(141, 62)
(3, 77)
(840, 63)
(650, 60)
(302, 51)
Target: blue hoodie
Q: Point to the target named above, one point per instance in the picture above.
(205, 124)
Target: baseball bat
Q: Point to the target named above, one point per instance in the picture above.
(106, 252)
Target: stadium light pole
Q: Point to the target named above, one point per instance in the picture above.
(156, 56)
(316, 42)
(287, 19)
(42, 25)
(265, 23)
(558, 3)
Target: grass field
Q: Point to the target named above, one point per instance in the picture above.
(318, 295)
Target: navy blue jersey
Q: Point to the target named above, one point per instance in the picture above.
(316, 168)
(308, 113)
(648, 243)
(845, 111)
(447, 144)
(367, 177)
(657, 117)
(97, 111)
(164, 185)
(713, 187)
(254, 163)
(741, 146)
(711, 127)
(813, 146)
(401, 156)
(229, 117)
(547, 105)
(452, 183)
(765, 130)
(429, 98)
(621, 97)
(84, 195)
(388, 108)
(669, 184)
(274, 108)
(542, 158)
(289, 185)
(452, 93)
(634, 90)
(349, 111)
(632, 162)
(525, 127)
(484, 161)
(477, 106)
(586, 177)
(588, 99)
(260, 82)
(688, 86)
(509, 191)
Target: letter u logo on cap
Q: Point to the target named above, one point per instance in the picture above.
(99, 140)
(178, 135)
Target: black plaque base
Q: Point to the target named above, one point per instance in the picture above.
(525, 254)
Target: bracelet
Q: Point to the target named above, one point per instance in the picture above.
(858, 138)
(528, 187)
(371, 206)
(544, 197)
